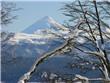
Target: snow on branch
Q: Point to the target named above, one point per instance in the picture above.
(83, 79)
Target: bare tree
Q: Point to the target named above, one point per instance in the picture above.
(7, 16)
(7, 12)
(95, 27)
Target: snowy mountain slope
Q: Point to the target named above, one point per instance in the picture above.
(30, 45)
(30, 38)
(46, 23)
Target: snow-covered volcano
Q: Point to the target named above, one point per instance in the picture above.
(46, 23)
(37, 36)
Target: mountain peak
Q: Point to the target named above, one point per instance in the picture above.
(47, 17)
(46, 22)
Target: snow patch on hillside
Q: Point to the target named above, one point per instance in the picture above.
(29, 38)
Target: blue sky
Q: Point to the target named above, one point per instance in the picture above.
(35, 10)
